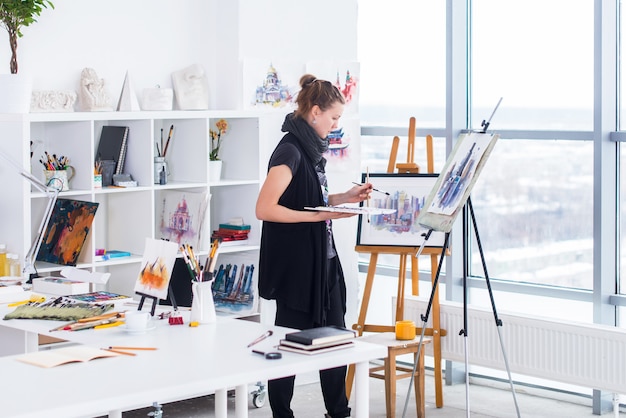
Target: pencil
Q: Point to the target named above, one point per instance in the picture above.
(109, 325)
(132, 348)
(119, 352)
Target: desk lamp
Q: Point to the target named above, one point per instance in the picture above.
(51, 191)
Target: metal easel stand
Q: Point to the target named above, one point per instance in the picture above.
(463, 332)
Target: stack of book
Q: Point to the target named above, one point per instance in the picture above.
(232, 234)
(318, 340)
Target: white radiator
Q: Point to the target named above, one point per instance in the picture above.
(586, 355)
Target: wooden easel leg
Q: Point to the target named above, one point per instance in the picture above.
(367, 292)
(400, 295)
(415, 277)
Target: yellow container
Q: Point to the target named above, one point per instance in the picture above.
(405, 330)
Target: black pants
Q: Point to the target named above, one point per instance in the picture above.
(332, 381)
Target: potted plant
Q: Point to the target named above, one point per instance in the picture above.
(215, 164)
(18, 14)
(15, 15)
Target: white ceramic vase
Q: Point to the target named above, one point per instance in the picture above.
(15, 93)
(215, 170)
(202, 304)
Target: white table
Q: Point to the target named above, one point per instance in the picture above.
(189, 362)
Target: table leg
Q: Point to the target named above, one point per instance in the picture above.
(241, 401)
(361, 390)
(15, 341)
(221, 404)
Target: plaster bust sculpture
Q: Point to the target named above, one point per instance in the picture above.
(52, 101)
(93, 95)
(191, 88)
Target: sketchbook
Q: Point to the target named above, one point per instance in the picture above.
(360, 210)
(113, 145)
(73, 354)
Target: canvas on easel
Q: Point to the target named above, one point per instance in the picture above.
(406, 193)
(156, 268)
(456, 180)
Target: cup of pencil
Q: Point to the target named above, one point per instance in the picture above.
(57, 171)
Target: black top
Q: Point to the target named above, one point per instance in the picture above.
(293, 256)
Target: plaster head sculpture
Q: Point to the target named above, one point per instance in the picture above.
(93, 95)
(191, 88)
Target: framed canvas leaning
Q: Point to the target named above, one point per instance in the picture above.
(407, 194)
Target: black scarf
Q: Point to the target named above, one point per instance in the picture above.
(313, 145)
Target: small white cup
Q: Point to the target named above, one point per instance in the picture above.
(137, 321)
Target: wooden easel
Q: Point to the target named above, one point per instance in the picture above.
(404, 252)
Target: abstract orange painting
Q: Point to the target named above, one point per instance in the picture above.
(67, 231)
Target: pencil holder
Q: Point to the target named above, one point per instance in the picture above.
(160, 170)
(202, 305)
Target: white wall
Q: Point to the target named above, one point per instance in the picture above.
(149, 38)
(153, 38)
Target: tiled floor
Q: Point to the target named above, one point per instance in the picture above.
(487, 399)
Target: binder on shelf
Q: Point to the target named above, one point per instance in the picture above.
(113, 145)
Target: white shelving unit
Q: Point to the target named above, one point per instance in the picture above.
(127, 216)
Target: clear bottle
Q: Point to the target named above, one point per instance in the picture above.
(3, 259)
(13, 261)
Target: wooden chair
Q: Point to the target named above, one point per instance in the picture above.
(389, 370)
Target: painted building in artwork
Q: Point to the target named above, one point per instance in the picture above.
(180, 220)
(273, 91)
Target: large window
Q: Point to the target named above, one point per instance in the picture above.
(402, 57)
(538, 56)
(534, 210)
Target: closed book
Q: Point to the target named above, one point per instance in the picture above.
(321, 335)
(319, 350)
(59, 286)
(244, 227)
(309, 347)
